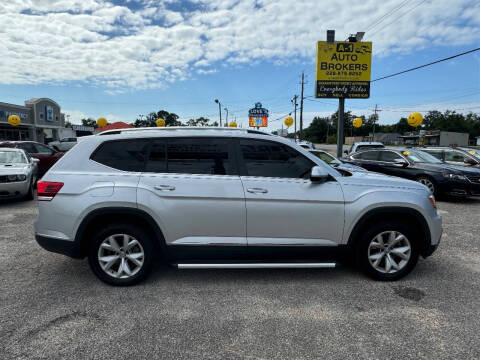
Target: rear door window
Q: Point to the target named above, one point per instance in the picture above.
(213, 156)
(126, 155)
(367, 155)
(437, 154)
(389, 156)
(28, 147)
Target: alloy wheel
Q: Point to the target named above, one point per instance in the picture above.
(389, 252)
(428, 183)
(121, 256)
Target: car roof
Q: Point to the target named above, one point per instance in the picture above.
(11, 149)
(368, 143)
(178, 130)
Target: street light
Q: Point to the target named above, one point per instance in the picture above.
(226, 120)
(219, 110)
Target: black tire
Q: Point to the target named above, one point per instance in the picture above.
(362, 248)
(429, 180)
(30, 194)
(138, 234)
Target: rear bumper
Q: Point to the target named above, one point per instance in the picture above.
(64, 247)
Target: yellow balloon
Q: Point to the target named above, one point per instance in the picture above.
(232, 124)
(102, 122)
(415, 119)
(288, 121)
(357, 122)
(160, 122)
(14, 120)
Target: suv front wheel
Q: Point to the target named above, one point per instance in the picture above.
(388, 251)
(121, 254)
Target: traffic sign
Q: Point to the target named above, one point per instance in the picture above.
(343, 69)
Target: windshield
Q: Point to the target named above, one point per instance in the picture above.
(416, 156)
(329, 159)
(12, 157)
(474, 152)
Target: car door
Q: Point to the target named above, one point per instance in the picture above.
(46, 156)
(192, 188)
(388, 161)
(367, 159)
(287, 214)
(456, 157)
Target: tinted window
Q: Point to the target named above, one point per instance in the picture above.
(28, 147)
(199, 156)
(124, 155)
(42, 149)
(266, 158)
(437, 154)
(366, 147)
(367, 155)
(454, 156)
(389, 156)
(329, 159)
(157, 160)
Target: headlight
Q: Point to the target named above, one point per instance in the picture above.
(20, 177)
(454, 176)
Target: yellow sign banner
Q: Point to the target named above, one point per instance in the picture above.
(343, 69)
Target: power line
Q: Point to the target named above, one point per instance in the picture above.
(425, 65)
(386, 15)
(398, 17)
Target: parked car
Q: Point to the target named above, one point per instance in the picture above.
(334, 162)
(46, 155)
(226, 198)
(420, 166)
(364, 145)
(306, 145)
(455, 155)
(63, 144)
(18, 173)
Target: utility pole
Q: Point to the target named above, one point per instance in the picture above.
(226, 121)
(375, 118)
(294, 101)
(219, 110)
(301, 107)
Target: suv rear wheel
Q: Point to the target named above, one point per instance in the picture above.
(388, 250)
(121, 254)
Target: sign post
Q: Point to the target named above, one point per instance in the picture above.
(343, 71)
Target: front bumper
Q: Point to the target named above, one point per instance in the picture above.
(13, 189)
(60, 246)
(460, 188)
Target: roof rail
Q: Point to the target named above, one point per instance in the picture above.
(176, 128)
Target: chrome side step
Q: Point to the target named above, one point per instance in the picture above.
(301, 265)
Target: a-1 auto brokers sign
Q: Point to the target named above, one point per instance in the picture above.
(343, 69)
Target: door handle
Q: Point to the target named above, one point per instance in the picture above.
(257, 190)
(164, 187)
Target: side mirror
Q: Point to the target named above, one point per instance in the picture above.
(35, 161)
(469, 161)
(345, 152)
(400, 163)
(319, 174)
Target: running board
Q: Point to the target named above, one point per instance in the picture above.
(302, 265)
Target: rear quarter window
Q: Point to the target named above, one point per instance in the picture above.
(126, 155)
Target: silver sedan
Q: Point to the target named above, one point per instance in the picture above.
(18, 174)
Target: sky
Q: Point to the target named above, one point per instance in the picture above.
(120, 59)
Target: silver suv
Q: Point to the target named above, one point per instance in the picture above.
(226, 198)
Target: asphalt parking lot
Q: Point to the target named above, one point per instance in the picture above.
(54, 307)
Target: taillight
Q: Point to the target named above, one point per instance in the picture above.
(47, 190)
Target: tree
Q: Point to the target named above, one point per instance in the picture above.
(171, 119)
(89, 122)
(201, 121)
